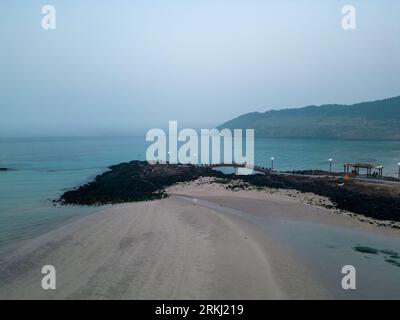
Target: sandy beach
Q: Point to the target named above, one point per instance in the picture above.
(187, 246)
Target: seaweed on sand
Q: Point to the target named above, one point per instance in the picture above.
(364, 249)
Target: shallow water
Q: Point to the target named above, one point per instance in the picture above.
(44, 168)
(325, 249)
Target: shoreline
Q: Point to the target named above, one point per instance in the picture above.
(140, 181)
(163, 265)
(307, 198)
(320, 209)
(178, 249)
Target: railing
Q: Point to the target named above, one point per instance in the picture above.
(239, 165)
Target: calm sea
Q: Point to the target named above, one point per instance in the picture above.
(44, 168)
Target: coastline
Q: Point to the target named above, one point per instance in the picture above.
(140, 181)
(153, 250)
(238, 188)
(186, 246)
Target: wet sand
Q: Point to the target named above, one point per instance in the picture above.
(175, 248)
(156, 250)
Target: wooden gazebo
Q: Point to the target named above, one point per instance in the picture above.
(355, 167)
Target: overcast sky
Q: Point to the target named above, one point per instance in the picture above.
(120, 67)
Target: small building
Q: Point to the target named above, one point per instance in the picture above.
(372, 169)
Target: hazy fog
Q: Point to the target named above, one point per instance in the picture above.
(121, 67)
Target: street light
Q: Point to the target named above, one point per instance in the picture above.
(330, 165)
(272, 163)
(398, 175)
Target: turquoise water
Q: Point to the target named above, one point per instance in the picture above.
(290, 154)
(325, 249)
(44, 168)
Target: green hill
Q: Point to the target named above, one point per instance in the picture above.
(378, 120)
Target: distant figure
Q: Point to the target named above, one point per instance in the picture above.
(194, 201)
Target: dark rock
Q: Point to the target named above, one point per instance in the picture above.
(134, 181)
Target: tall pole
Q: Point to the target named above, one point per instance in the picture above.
(330, 165)
(398, 175)
(272, 163)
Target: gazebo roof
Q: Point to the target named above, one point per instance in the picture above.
(364, 165)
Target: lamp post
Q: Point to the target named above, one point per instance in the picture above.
(272, 163)
(330, 165)
(398, 174)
